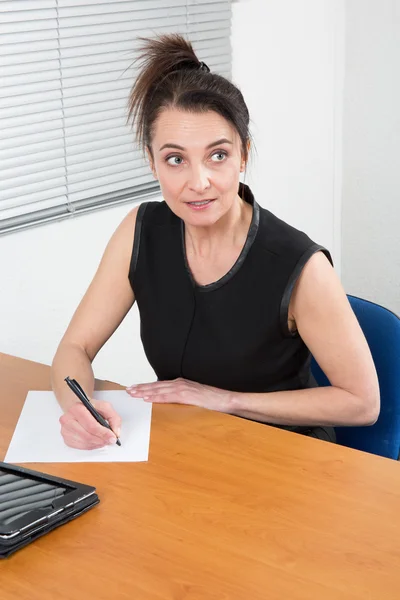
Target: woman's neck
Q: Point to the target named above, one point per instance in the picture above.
(229, 231)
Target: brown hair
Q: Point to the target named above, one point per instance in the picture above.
(172, 76)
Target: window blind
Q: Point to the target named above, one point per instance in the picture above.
(66, 69)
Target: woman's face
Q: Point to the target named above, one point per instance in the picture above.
(197, 160)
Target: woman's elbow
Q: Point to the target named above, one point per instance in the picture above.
(369, 408)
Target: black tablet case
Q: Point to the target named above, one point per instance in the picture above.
(38, 522)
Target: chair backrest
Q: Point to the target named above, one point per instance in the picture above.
(381, 328)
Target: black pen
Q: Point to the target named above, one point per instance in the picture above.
(78, 391)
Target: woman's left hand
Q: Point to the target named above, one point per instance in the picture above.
(183, 391)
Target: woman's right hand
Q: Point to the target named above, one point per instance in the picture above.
(80, 430)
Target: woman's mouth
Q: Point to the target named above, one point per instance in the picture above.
(200, 204)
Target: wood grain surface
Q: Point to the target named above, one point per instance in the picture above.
(225, 509)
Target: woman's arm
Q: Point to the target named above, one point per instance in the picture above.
(103, 307)
(325, 320)
(322, 314)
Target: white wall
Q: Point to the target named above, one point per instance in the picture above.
(371, 152)
(286, 59)
(44, 272)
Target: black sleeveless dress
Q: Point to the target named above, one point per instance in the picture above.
(232, 334)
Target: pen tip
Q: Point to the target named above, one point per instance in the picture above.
(118, 442)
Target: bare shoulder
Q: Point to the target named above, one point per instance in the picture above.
(317, 273)
(310, 283)
(122, 238)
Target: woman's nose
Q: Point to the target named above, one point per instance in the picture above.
(198, 179)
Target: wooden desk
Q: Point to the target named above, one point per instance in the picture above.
(225, 509)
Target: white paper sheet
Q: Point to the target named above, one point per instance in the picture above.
(37, 437)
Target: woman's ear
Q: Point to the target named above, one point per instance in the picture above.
(244, 160)
(151, 161)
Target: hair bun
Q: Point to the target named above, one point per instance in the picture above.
(204, 67)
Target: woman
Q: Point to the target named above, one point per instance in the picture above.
(231, 299)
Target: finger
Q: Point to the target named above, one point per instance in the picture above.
(80, 413)
(147, 393)
(149, 386)
(109, 413)
(163, 395)
(77, 440)
(72, 430)
(164, 387)
(157, 384)
(81, 444)
(163, 399)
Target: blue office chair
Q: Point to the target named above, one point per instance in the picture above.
(381, 328)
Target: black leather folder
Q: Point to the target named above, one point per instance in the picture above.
(33, 503)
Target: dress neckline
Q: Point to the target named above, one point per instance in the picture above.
(246, 194)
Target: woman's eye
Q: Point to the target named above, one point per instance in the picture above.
(174, 160)
(219, 156)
